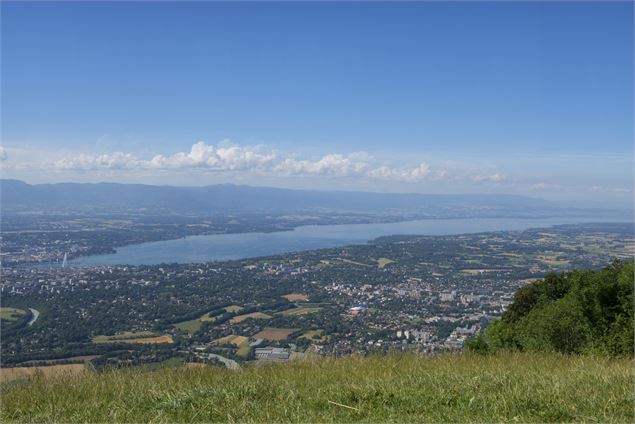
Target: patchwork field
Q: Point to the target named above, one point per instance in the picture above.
(296, 297)
(254, 315)
(11, 314)
(241, 342)
(275, 334)
(193, 325)
(299, 311)
(9, 374)
(232, 339)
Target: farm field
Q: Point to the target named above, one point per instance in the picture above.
(473, 271)
(207, 317)
(382, 262)
(191, 326)
(46, 362)
(299, 311)
(552, 260)
(233, 308)
(141, 337)
(314, 335)
(11, 314)
(235, 340)
(10, 374)
(275, 334)
(296, 297)
(348, 261)
(152, 340)
(244, 350)
(254, 315)
(241, 342)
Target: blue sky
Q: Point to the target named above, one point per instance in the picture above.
(533, 98)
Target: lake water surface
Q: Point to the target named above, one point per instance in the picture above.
(249, 245)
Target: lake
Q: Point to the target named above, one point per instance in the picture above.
(222, 247)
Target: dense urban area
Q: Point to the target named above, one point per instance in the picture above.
(420, 293)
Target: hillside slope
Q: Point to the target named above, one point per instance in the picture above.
(400, 388)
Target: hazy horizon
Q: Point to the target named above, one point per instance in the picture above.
(533, 99)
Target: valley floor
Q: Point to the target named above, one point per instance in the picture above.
(397, 388)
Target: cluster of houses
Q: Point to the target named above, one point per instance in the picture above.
(417, 336)
(460, 335)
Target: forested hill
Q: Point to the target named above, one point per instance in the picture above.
(583, 312)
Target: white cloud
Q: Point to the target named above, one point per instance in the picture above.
(3, 154)
(201, 155)
(336, 165)
(232, 158)
(545, 186)
(495, 178)
(83, 162)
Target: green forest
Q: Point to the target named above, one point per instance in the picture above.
(583, 312)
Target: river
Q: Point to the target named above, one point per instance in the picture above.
(36, 315)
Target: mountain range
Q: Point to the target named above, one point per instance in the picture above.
(228, 198)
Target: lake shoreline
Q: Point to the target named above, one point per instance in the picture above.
(221, 247)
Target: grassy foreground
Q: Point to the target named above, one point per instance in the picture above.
(447, 388)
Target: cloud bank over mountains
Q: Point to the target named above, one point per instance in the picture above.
(257, 160)
(225, 162)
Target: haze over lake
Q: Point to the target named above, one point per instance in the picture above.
(221, 247)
